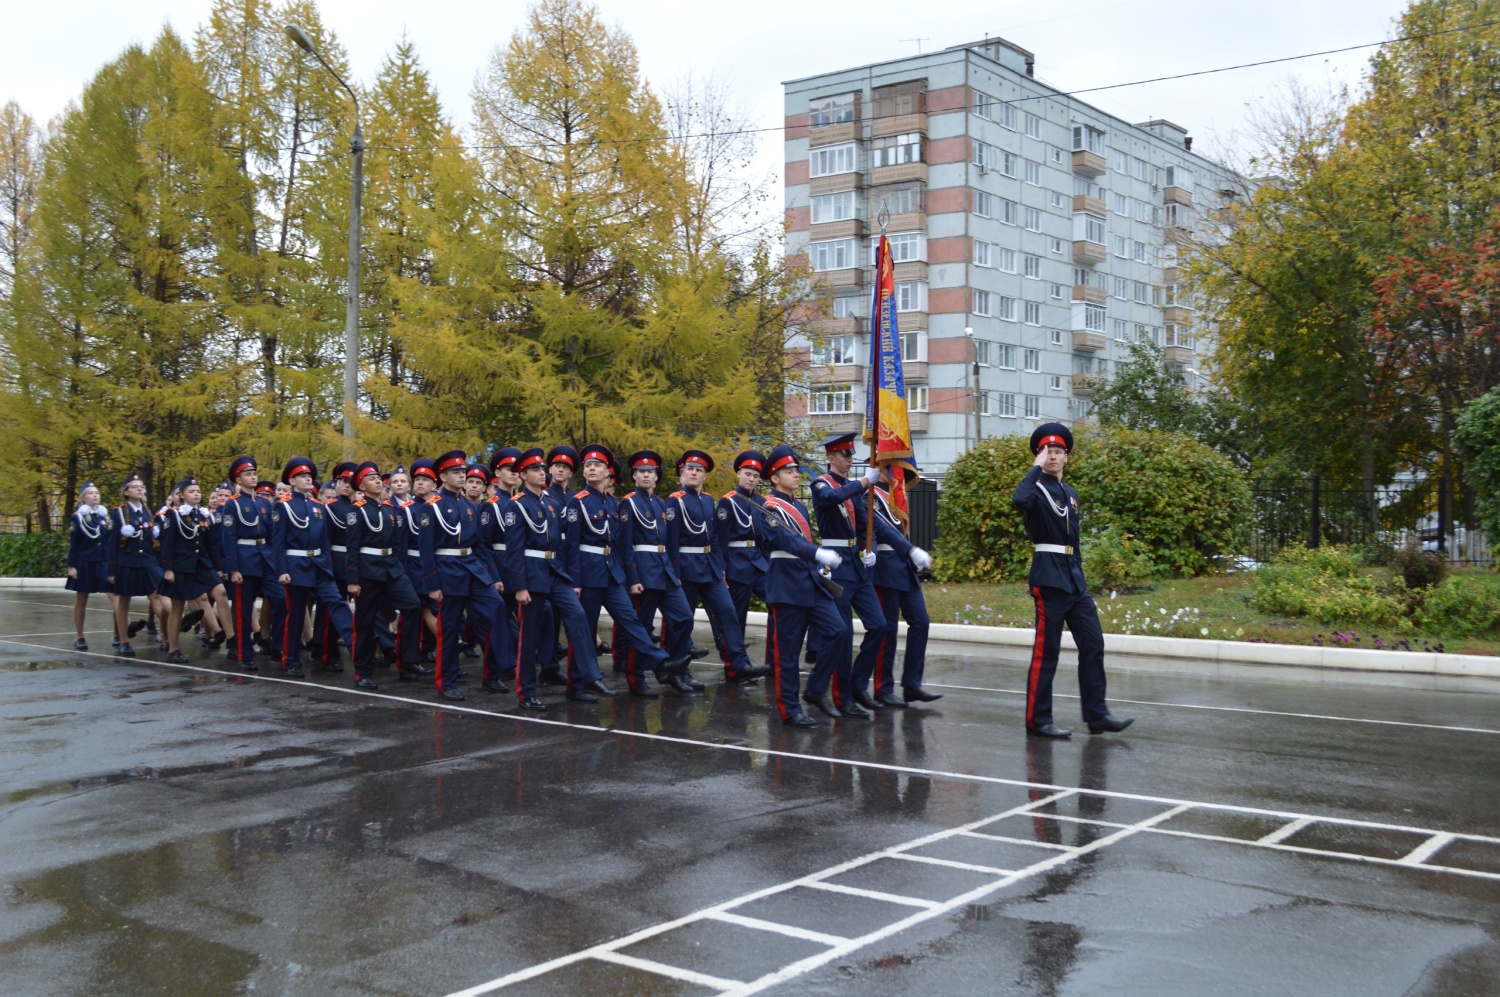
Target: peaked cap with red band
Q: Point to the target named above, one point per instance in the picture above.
(840, 441)
(1051, 434)
(264, 486)
(563, 455)
(244, 463)
(504, 457)
(644, 459)
(478, 471)
(344, 469)
(296, 466)
(369, 467)
(599, 452)
(452, 459)
(534, 457)
(423, 467)
(781, 457)
(751, 458)
(698, 457)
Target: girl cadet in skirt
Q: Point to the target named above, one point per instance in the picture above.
(187, 565)
(131, 542)
(88, 558)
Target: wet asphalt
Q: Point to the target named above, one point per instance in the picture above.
(194, 831)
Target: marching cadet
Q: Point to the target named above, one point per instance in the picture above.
(299, 543)
(187, 565)
(398, 482)
(133, 569)
(646, 528)
(744, 561)
(88, 556)
(456, 576)
(376, 575)
(476, 482)
(839, 504)
(537, 575)
(798, 595)
(900, 592)
(248, 560)
(1050, 510)
(700, 565)
(413, 623)
(596, 561)
(340, 514)
(562, 461)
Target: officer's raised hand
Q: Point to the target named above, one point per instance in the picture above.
(827, 558)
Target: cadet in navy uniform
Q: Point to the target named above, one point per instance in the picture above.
(1050, 509)
(456, 573)
(340, 513)
(133, 569)
(597, 559)
(700, 564)
(538, 574)
(562, 461)
(840, 507)
(88, 556)
(900, 592)
(375, 572)
(248, 561)
(413, 623)
(798, 598)
(646, 528)
(738, 512)
(299, 543)
(187, 564)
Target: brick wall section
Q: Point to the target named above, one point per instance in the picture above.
(949, 400)
(947, 99)
(949, 349)
(799, 219)
(796, 126)
(795, 405)
(947, 199)
(796, 172)
(948, 150)
(946, 300)
(954, 250)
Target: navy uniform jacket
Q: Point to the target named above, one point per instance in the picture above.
(87, 533)
(786, 528)
(840, 506)
(593, 523)
(409, 514)
(449, 522)
(378, 527)
(893, 567)
(532, 523)
(738, 513)
(1050, 509)
(299, 523)
(646, 530)
(185, 543)
(340, 514)
(247, 518)
(138, 551)
(492, 533)
(694, 524)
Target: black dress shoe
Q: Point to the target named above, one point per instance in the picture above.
(603, 649)
(692, 683)
(551, 678)
(249, 666)
(869, 702)
(822, 701)
(532, 703)
(114, 642)
(679, 683)
(365, 682)
(80, 645)
(126, 651)
(454, 694)
(747, 675)
(1048, 730)
(916, 694)
(645, 692)
(494, 685)
(853, 712)
(472, 651)
(162, 645)
(216, 641)
(582, 696)
(177, 657)
(295, 672)
(800, 720)
(698, 653)
(892, 702)
(189, 621)
(1108, 724)
(599, 688)
(672, 666)
(333, 666)
(151, 625)
(417, 668)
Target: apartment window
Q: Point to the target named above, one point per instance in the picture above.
(1007, 163)
(1121, 330)
(983, 400)
(1088, 228)
(983, 254)
(1082, 408)
(1056, 339)
(1005, 210)
(1089, 138)
(831, 110)
(1032, 312)
(1138, 252)
(982, 206)
(847, 306)
(982, 352)
(1179, 216)
(1007, 260)
(1093, 317)
(901, 201)
(1003, 404)
(1004, 356)
(1122, 289)
(835, 255)
(833, 207)
(1119, 162)
(834, 399)
(1056, 198)
(1033, 266)
(1005, 114)
(893, 150)
(984, 105)
(900, 98)
(1033, 407)
(1168, 295)
(1033, 125)
(911, 295)
(1055, 246)
(1121, 247)
(1121, 205)
(1179, 177)
(835, 351)
(1033, 360)
(1158, 297)
(1055, 292)
(1056, 156)
(906, 247)
(1005, 308)
(984, 155)
(1142, 293)
(1143, 211)
(916, 398)
(981, 304)
(831, 160)
(1146, 334)
(1055, 382)
(914, 346)
(1033, 220)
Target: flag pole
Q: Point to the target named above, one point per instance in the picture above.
(883, 217)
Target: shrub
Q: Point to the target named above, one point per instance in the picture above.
(981, 538)
(1420, 569)
(1478, 438)
(1115, 559)
(1462, 606)
(1327, 584)
(33, 555)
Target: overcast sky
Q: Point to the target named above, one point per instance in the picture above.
(57, 45)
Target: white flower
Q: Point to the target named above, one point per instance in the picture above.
(1111, 593)
(1162, 611)
(1205, 631)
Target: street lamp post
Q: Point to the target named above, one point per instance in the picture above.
(351, 310)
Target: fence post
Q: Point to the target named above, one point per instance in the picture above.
(1443, 524)
(1317, 515)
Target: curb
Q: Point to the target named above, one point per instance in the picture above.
(34, 583)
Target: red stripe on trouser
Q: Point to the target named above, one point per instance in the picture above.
(520, 647)
(776, 661)
(1036, 656)
(286, 626)
(328, 632)
(239, 621)
(439, 660)
(353, 634)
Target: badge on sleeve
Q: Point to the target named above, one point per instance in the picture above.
(351, 519)
(275, 516)
(572, 515)
(510, 518)
(772, 521)
(723, 513)
(624, 514)
(670, 514)
(484, 519)
(426, 520)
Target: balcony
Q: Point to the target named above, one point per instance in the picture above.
(916, 270)
(852, 277)
(1176, 315)
(1082, 384)
(914, 370)
(1180, 355)
(900, 173)
(1179, 235)
(1177, 195)
(917, 421)
(849, 228)
(1089, 205)
(834, 183)
(837, 422)
(844, 373)
(845, 131)
(1088, 292)
(1088, 164)
(1089, 340)
(851, 325)
(908, 221)
(899, 124)
(1089, 253)
(1171, 274)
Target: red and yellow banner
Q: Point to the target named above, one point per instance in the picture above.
(887, 424)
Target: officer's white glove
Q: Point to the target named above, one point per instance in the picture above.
(920, 558)
(127, 530)
(156, 531)
(828, 558)
(872, 475)
(869, 557)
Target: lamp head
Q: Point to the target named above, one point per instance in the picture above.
(299, 36)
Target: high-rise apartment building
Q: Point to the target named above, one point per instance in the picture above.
(1034, 237)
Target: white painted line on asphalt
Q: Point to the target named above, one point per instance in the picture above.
(1426, 849)
(1014, 841)
(662, 969)
(59, 633)
(62, 606)
(1284, 831)
(952, 864)
(855, 891)
(791, 931)
(1233, 709)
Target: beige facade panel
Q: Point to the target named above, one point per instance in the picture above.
(844, 373)
(847, 131)
(1088, 341)
(851, 228)
(895, 174)
(917, 421)
(853, 277)
(899, 124)
(911, 271)
(1081, 384)
(1090, 205)
(1088, 164)
(1177, 195)
(915, 370)
(1088, 292)
(1089, 253)
(833, 184)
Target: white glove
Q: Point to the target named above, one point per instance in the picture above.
(869, 557)
(920, 558)
(156, 531)
(872, 475)
(127, 530)
(827, 558)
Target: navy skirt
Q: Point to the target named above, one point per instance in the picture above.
(131, 582)
(186, 587)
(93, 576)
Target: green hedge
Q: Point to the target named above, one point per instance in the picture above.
(33, 555)
(1177, 503)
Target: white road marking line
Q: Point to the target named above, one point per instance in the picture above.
(60, 633)
(1284, 831)
(1325, 854)
(988, 870)
(308, 687)
(64, 606)
(1426, 849)
(1015, 841)
(855, 891)
(1234, 709)
(662, 969)
(791, 931)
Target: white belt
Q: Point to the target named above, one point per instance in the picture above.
(545, 555)
(650, 549)
(413, 553)
(782, 553)
(497, 546)
(341, 550)
(454, 551)
(594, 550)
(250, 543)
(884, 547)
(838, 543)
(692, 550)
(1053, 549)
(376, 551)
(304, 553)
(742, 543)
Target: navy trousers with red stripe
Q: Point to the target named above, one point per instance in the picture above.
(627, 630)
(788, 624)
(294, 602)
(242, 598)
(374, 597)
(487, 611)
(912, 607)
(858, 597)
(536, 637)
(1054, 607)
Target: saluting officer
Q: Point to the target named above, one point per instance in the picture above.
(646, 528)
(299, 543)
(738, 512)
(700, 564)
(900, 591)
(1050, 509)
(375, 573)
(797, 595)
